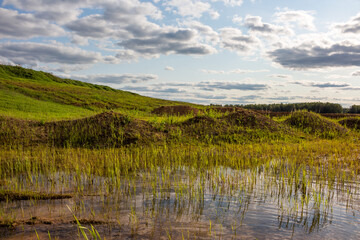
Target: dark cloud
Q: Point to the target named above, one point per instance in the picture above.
(122, 20)
(206, 31)
(91, 26)
(29, 53)
(353, 26)
(282, 98)
(331, 85)
(280, 76)
(25, 25)
(212, 86)
(255, 24)
(322, 84)
(233, 39)
(178, 41)
(214, 97)
(153, 89)
(290, 99)
(137, 88)
(59, 11)
(127, 22)
(305, 57)
(351, 88)
(249, 97)
(117, 78)
(232, 86)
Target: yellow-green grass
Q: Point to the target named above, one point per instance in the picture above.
(17, 105)
(37, 87)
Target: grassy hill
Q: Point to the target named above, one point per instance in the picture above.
(39, 108)
(37, 95)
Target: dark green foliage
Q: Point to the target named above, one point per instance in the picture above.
(354, 109)
(317, 107)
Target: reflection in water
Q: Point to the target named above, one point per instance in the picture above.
(272, 199)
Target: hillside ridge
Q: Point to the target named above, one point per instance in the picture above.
(37, 95)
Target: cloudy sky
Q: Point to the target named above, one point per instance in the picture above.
(202, 51)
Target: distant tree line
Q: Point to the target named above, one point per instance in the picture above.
(317, 107)
(354, 109)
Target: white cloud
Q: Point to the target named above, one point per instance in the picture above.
(356, 74)
(303, 19)
(168, 68)
(231, 3)
(24, 25)
(193, 8)
(29, 53)
(237, 19)
(214, 14)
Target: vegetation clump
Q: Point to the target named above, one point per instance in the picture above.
(107, 129)
(17, 131)
(315, 124)
(352, 123)
(240, 126)
(251, 119)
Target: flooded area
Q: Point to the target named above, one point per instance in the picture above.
(275, 200)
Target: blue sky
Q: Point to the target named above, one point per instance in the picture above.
(205, 51)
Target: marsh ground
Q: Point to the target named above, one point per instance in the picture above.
(72, 169)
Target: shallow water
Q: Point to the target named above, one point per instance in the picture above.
(185, 202)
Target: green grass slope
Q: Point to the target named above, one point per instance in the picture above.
(37, 95)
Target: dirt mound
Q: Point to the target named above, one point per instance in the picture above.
(16, 131)
(103, 130)
(175, 110)
(352, 123)
(239, 127)
(315, 124)
(200, 128)
(252, 119)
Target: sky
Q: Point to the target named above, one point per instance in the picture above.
(199, 51)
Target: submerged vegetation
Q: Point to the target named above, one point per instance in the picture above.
(123, 167)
